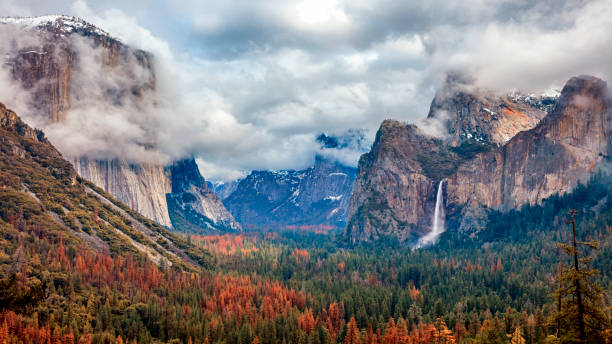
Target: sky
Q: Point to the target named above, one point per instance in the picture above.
(253, 83)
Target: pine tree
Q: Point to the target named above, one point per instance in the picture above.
(443, 334)
(517, 336)
(581, 315)
(352, 332)
(390, 333)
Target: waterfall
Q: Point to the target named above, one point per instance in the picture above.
(438, 220)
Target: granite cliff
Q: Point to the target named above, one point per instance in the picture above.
(484, 164)
(565, 147)
(471, 114)
(50, 66)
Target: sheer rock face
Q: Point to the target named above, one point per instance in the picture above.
(396, 183)
(317, 196)
(551, 158)
(48, 66)
(143, 187)
(191, 199)
(49, 70)
(392, 194)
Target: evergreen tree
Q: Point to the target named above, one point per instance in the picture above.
(352, 333)
(581, 315)
(517, 336)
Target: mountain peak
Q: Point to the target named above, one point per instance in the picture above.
(461, 112)
(57, 23)
(587, 92)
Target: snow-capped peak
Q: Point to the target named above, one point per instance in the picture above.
(65, 24)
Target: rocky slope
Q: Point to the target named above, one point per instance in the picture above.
(468, 113)
(314, 198)
(192, 205)
(51, 68)
(396, 184)
(224, 189)
(41, 194)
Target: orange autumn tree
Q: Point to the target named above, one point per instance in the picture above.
(444, 335)
(306, 321)
(391, 336)
(352, 333)
(332, 318)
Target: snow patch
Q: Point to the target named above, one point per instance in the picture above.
(65, 24)
(489, 111)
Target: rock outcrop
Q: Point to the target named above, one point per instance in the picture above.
(551, 158)
(470, 114)
(141, 186)
(192, 205)
(315, 198)
(396, 184)
(392, 193)
(47, 65)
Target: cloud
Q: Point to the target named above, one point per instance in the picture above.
(345, 147)
(12, 8)
(435, 126)
(530, 56)
(249, 84)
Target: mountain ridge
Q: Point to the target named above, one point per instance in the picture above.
(314, 197)
(395, 188)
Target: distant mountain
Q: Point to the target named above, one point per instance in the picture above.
(224, 189)
(41, 195)
(192, 205)
(50, 66)
(314, 198)
(495, 154)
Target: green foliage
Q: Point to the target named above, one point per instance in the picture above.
(581, 317)
(469, 148)
(444, 162)
(13, 297)
(438, 165)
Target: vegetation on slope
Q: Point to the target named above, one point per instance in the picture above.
(443, 163)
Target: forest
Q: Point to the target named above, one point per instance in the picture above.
(512, 282)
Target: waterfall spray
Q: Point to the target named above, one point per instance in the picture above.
(438, 220)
